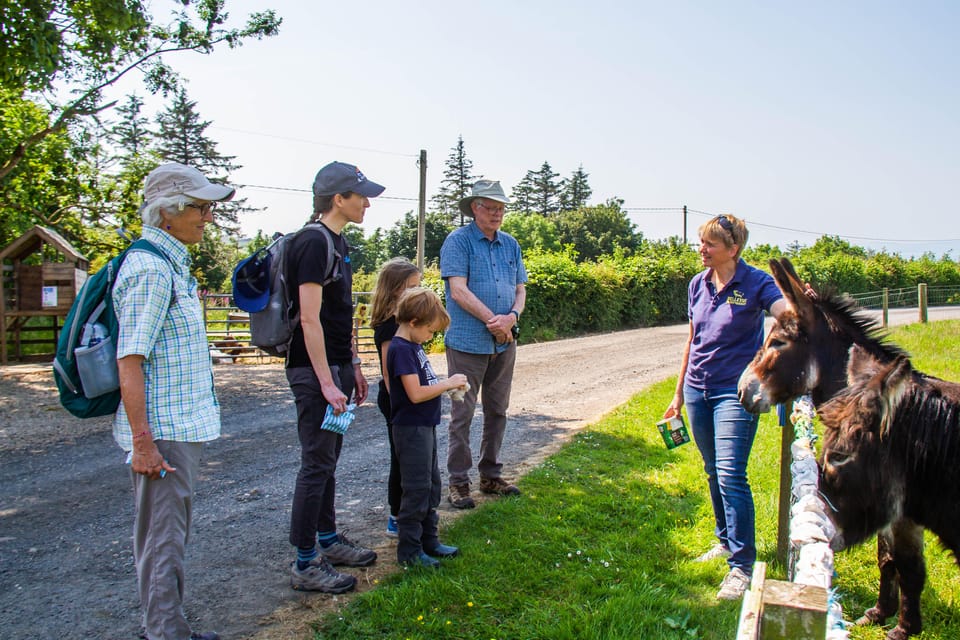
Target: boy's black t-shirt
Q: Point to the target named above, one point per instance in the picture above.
(307, 264)
(405, 358)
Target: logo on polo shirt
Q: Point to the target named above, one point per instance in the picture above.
(737, 298)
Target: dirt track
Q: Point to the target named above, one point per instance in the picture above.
(66, 512)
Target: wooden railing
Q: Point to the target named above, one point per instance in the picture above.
(228, 328)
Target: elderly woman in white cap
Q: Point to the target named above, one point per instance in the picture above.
(485, 283)
(168, 407)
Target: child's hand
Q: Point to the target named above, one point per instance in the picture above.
(462, 386)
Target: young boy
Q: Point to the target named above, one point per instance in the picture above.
(415, 410)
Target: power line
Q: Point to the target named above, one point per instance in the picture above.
(817, 233)
(322, 144)
(298, 190)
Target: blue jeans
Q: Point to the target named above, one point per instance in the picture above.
(724, 433)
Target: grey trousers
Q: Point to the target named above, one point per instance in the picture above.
(492, 377)
(161, 528)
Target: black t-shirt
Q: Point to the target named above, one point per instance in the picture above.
(384, 332)
(405, 358)
(307, 264)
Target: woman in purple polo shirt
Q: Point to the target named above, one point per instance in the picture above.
(726, 304)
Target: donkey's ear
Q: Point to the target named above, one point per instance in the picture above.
(893, 387)
(793, 289)
(898, 375)
(861, 366)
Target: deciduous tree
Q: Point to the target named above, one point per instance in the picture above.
(52, 48)
(599, 230)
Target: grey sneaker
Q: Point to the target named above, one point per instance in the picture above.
(733, 585)
(714, 552)
(460, 496)
(346, 552)
(320, 576)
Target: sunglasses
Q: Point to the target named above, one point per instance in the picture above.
(724, 223)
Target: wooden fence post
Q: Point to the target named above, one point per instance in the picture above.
(886, 307)
(922, 300)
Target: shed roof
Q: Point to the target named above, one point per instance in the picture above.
(34, 237)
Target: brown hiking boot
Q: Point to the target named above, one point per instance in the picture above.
(460, 496)
(498, 486)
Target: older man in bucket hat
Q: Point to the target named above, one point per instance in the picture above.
(484, 279)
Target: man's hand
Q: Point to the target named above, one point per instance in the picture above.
(500, 326)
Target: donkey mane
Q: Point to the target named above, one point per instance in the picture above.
(845, 318)
(926, 424)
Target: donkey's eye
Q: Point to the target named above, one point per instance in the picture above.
(776, 343)
(835, 458)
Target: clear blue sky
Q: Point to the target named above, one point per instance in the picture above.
(803, 118)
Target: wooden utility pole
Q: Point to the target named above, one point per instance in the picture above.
(684, 225)
(422, 217)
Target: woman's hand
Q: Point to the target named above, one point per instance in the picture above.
(148, 461)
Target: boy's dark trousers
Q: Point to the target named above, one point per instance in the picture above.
(420, 479)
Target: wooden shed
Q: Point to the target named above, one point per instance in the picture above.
(41, 275)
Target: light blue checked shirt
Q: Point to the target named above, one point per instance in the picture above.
(493, 270)
(161, 319)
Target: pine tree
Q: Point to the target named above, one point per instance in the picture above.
(457, 182)
(546, 190)
(575, 191)
(522, 194)
(182, 138)
(132, 134)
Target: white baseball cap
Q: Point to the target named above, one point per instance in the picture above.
(175, 179)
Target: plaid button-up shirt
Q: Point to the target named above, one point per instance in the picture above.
(161, 319)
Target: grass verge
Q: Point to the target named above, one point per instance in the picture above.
(600, 544)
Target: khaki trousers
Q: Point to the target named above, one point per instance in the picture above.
(161, 527)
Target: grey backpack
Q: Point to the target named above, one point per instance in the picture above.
(261, 287)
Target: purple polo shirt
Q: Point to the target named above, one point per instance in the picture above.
(727, 326)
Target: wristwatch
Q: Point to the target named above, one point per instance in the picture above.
(356, 360)
(516, 313)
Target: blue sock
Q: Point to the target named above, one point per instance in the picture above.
(304, 556)
(327, 538)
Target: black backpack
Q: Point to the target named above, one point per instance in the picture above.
(261, 288)
(85, 364)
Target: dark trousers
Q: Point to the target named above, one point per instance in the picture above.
(313, 508)
(393, 480)
(420, 479)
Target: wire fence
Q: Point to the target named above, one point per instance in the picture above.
(939, 296)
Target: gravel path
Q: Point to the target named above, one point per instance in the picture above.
(66, 568)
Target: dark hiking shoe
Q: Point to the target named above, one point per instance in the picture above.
(498, 486)
(422, 561)
(206, 635)
(460, 496)
(348, 553)
(321, 576)
(442, 551)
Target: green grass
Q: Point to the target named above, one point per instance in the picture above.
(599, 545)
